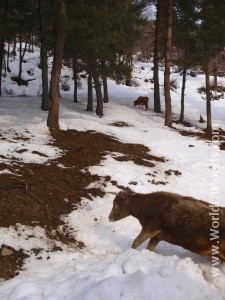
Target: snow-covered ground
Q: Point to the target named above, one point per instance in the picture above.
(107, 268)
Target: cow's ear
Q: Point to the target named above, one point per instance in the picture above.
(123, 196)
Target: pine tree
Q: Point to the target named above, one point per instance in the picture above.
(90, 90)
(4, 34)
(53, 115)
(104, 31)
(168, 109)
(42, 9)
(210, 40)
(185, 26)
(25, 21)
(157, 103)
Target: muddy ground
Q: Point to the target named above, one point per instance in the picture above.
(37, 196)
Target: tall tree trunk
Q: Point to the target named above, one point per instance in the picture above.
(105, 85)
(184, 83)
(22, 53)
(5, 69)
(2, 43)
(215, 70)
(208, 100)
(99, 107)
(1, 62)
(75, 79)
(7, 61)
(44, 57)
(90, 94)
(14, 48)
(53, 115)
(105, 90)
(31, 42)
(157, 104)
(206, 65)
(90, 90)
(168, 109)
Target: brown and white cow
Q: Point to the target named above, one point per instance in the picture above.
(179, 220)
(141, 101)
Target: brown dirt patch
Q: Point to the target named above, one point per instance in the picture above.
(222, 146)
(173, 172)
(205, 136)
(202, 134)
(11, 263)
(121, 124)
(40, 194)
(184, 123)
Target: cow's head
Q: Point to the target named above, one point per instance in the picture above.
(120, 209)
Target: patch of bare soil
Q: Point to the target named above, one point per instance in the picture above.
(35, 194)
(172, 172)
(222, 146)
(121, 124)
(184, 123)
(203, 135)
(10, 262)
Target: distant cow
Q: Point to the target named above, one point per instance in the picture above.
(179, 220)
(141, 101)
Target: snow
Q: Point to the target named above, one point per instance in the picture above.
(107, 268)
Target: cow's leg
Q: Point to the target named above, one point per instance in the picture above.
(153, 243)
(143, 236)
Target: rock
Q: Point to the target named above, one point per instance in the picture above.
(6, 251)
